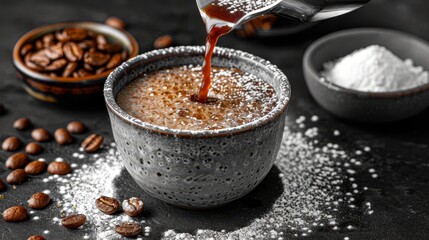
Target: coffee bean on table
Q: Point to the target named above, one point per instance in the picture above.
(163, 41)
(16, 177)
(22, 124)
(129, 229)
(11, 144)
(92, 143)
(133, 206)
(36, 237)
(107, 205)
(76, 127)
(63, 137)
(40, 135)
(15, 214)
(33, 148)
(73, 221)
(115, 22)
(59, 168)
(39, 201)
(17, 160)
(2, 186)
(35, 167)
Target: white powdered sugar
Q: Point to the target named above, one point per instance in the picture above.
(244, 5)
(374, 69)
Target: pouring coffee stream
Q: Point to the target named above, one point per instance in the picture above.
(222, 16)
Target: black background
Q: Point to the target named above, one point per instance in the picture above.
(400, 151)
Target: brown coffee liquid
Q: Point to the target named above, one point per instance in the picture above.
(219, 20)
(163, 98)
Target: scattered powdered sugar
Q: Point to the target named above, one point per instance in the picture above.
(319, 181)
(375, 69)
(315, 178)
(244, 5)
(79, 190)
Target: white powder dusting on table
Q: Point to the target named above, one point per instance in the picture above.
(318, 180)
(374, 69)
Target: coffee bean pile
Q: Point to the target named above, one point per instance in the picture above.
(74, 53)
(22, 166)
(133, 207)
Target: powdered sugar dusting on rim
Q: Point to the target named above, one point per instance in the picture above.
(195, 54)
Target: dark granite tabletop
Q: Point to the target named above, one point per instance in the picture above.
(400, 151)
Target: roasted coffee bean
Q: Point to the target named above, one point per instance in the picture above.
(96, 59)
(107, 205)
(114, 61)
(26, 49)
(15, 214)
(39, 58)
(17, 160)
(81, 73)
(87, 44)
(71, 34)
(48, 40)
(30, 64)
(22, 124)
(100, 70)
(70, 68)
(115, 22)
(54, 52)
(130, 229)
(76, 127)
(35, 167)
(38, 44)
(63, 137)
(59, 168)
(88, 67)
(92, 143)
(133, 207)
(33, 148)
(163, 41)
(56, 65)
(11, 144)
(124, 55)
(36, 237)
(101, 40)
(72, 52)
(109, 48)
(2, 186)
(40, 135)
(16, 177)
(73, 221)
(39, 201)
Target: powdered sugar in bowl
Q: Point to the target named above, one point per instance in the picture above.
(197, 169)
(367, 74)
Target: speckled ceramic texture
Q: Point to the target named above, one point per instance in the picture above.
(197, 169)
(366, 106)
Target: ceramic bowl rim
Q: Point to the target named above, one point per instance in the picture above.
(315, 75)
(19, 62)
(282, 104)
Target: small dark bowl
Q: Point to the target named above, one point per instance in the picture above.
(366, 106)
(67, 90)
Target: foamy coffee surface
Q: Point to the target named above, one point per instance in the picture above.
(163, 98)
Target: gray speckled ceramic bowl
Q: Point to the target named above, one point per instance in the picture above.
(366, 106)
(197, 169)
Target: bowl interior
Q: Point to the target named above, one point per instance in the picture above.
(340, 44)
(180, 56)
(112, 35)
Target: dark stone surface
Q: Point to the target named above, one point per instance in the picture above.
(400, 151)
